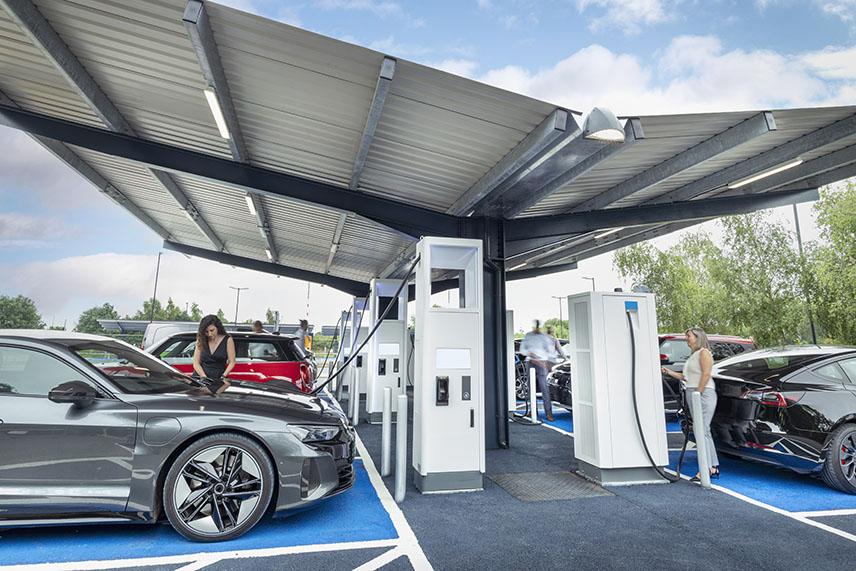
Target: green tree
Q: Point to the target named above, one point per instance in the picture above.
(270, 316)
(195, 312)
(831, 275)
(19, 313)
(156, 311)
(560, 327)
(88, 320)
(221, 316)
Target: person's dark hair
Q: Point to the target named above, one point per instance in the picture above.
(304, 324)
(207, 322)
(257, 322)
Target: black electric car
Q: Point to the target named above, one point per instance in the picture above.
(794, 407)
(94, 430)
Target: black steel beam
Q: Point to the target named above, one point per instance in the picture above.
(563, 224)
(351, 287)
(411, 220)
(539, 271)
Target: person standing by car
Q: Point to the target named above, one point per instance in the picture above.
(696, 377)
(258, 327)
(539, 350)
(301, 333)
(557, 347)
(214, 355)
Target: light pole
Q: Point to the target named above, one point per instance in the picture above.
(591, 280)
(237, 301)
(561, 321)
(155, 294)
(802, 259)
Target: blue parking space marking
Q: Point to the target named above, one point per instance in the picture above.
(355, 515)
(773, 486)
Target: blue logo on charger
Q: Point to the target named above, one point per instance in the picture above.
(631, 306)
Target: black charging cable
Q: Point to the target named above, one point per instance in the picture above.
(373, 330)
(668, 477)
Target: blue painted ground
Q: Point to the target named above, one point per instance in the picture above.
(564, 419)
(356, 515)
(774, 486)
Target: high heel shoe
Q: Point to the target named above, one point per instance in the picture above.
(715, 474)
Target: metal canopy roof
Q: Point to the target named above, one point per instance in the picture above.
(335, 116)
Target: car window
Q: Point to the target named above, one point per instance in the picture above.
(849, 366)
(832, 372)
(264, 351)
(31, 372)
(179, 351)
(764, 369)
(675, 350)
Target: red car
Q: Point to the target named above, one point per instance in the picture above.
(260, 357)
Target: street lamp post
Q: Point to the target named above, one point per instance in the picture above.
(237, 301)
(560, 298)
(155, 294)
(591, 280)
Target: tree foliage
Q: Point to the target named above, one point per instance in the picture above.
(88, 320)
(156, 311)
(19, 313)
(752, 284)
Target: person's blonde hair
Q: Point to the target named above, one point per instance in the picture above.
(700, 336)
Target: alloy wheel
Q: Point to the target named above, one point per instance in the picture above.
(847, 456)
(218, 489)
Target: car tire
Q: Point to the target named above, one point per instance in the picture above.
(218, 488)
(521, 388)
(839, 468)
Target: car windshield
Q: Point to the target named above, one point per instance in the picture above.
(675, 350)
(132, 371)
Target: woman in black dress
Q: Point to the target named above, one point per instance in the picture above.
(214, 356)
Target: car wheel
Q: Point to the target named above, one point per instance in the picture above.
(839, 469)
(218, 488)
(521, 388)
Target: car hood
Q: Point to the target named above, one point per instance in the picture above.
(274, 399)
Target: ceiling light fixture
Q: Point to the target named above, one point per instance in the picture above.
(250, 205)
(602, 125)
(765, 174)
(269, 255)
(608, 232)
(517, 267)
(217, 112)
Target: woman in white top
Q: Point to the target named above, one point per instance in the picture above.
(696, 377)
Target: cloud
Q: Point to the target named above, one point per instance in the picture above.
(845, 10)
(378, 7)
(629, 16)
(462, 67)
(692, 74)
(126, 280)
(25, 231)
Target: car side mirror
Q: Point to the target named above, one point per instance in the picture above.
(78, 393)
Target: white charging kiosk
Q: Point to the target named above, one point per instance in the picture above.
(388, 346)
(607, 443)
(358, 322)
(448, 400)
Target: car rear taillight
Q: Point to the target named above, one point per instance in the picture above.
(305, 375)
(663, 357)
(771, 398)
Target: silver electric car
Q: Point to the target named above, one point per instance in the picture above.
(94, 430)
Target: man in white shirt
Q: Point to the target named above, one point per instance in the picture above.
(301, 334)
(540, 349)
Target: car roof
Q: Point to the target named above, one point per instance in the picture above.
(787, 351)
(714, 336)
(237, 334)
(51, 335)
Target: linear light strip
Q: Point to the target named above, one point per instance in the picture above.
(765, 174)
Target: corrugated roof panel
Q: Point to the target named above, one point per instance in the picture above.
(145, 65)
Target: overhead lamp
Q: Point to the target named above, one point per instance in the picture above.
(211, 97)
(250, 204)
(269, 255)
(602, 125)
(608, 232)
(517, 267)
(766, 173)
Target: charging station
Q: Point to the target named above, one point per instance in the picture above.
(352, 341)
(388, 346)
(448, 413)
(614, 345)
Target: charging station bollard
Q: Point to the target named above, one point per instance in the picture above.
(701, 443)
(355, 397)
(401, 450)
(533, 397)
(386, 433)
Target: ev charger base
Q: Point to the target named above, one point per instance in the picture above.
(607, 443)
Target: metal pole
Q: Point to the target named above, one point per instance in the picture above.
(386, 433)
(155, 294)
(401, 450)
(533, 398)
(701, 443)
(802, 259)
(237, 301)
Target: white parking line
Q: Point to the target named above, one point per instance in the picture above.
(381, 560)
(826, 513)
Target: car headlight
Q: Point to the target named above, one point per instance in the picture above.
(313, 433)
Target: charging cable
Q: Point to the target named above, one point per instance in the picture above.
(669, 478)
(373, 330)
